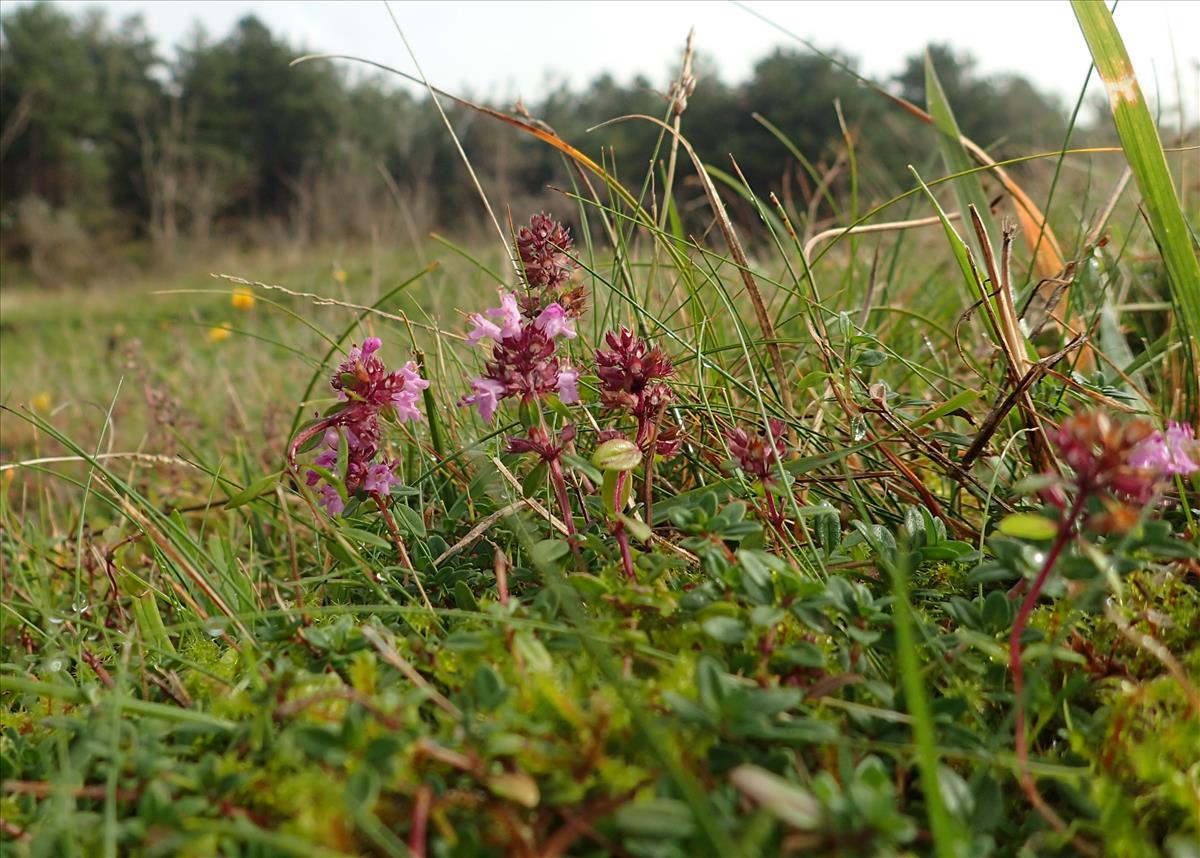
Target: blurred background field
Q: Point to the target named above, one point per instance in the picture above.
(131, 168)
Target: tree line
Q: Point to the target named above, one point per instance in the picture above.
(106, 142)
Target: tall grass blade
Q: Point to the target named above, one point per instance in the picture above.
(1144, 152)
(968, 189)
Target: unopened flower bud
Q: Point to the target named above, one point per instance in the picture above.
(617, 454)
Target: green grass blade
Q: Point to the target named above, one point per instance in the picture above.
(968, 189)
(946, 831)
(1144, 152)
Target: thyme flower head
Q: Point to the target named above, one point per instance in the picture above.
(368, 392)
(758, 453)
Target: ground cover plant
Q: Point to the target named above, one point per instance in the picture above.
(642, 529)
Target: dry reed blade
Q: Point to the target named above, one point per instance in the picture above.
(1049, 259)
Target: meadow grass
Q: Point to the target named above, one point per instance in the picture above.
(198, 660)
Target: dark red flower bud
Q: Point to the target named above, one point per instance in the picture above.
(628, 370)
(758, 454)
(543, 247)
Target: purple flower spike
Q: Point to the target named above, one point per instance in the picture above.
(368, 390)
(543, 247)
(332, 501)
(326, 459)
(404, 402)
(483, 330)
(758, 453)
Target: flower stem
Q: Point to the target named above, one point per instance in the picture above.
(619, 527)
(560, 492)
(1066, 530)
(299, 441)
(400, 549)
(293, 451)
(775, 515)
(564, 504)
(626, 556)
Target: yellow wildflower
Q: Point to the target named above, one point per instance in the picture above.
(220, 333)
(242, 299)
(340, 275)
(42, 402)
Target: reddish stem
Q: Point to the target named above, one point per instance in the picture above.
(1066, 530)
(775, 515)
(299, 440)
(560, 491)
(420, 819)
(400, 549)
(564, 504)
(619, 527)
(500, 565)
(626, 556)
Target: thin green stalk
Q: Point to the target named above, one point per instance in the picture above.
(945, 830)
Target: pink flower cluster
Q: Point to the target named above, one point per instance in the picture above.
(1128, 458)
(368, 391)
(633, 376)
(523, 361)
(1168, 454)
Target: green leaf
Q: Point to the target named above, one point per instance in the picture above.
(256, 489)
(869, 358)
(1028, 525)
(968, 189)
(535, 479)
(515, 786)
(997, 612)
(727, 630)
(549, 551)
(409, 519)
(617, 454)
(959, 400)
(1144, 152)
(811, 379)
(638, 530)
(787, 801)
(464, 598)
(583, 466)
(365, 537)
(533, 651)
(656, 818)
(1034, 483)
(608, 491)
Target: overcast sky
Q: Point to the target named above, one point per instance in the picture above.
(504, 49)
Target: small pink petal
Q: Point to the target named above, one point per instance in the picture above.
(568, 386)
(554, 322)
(483, 330)
(487, 395)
